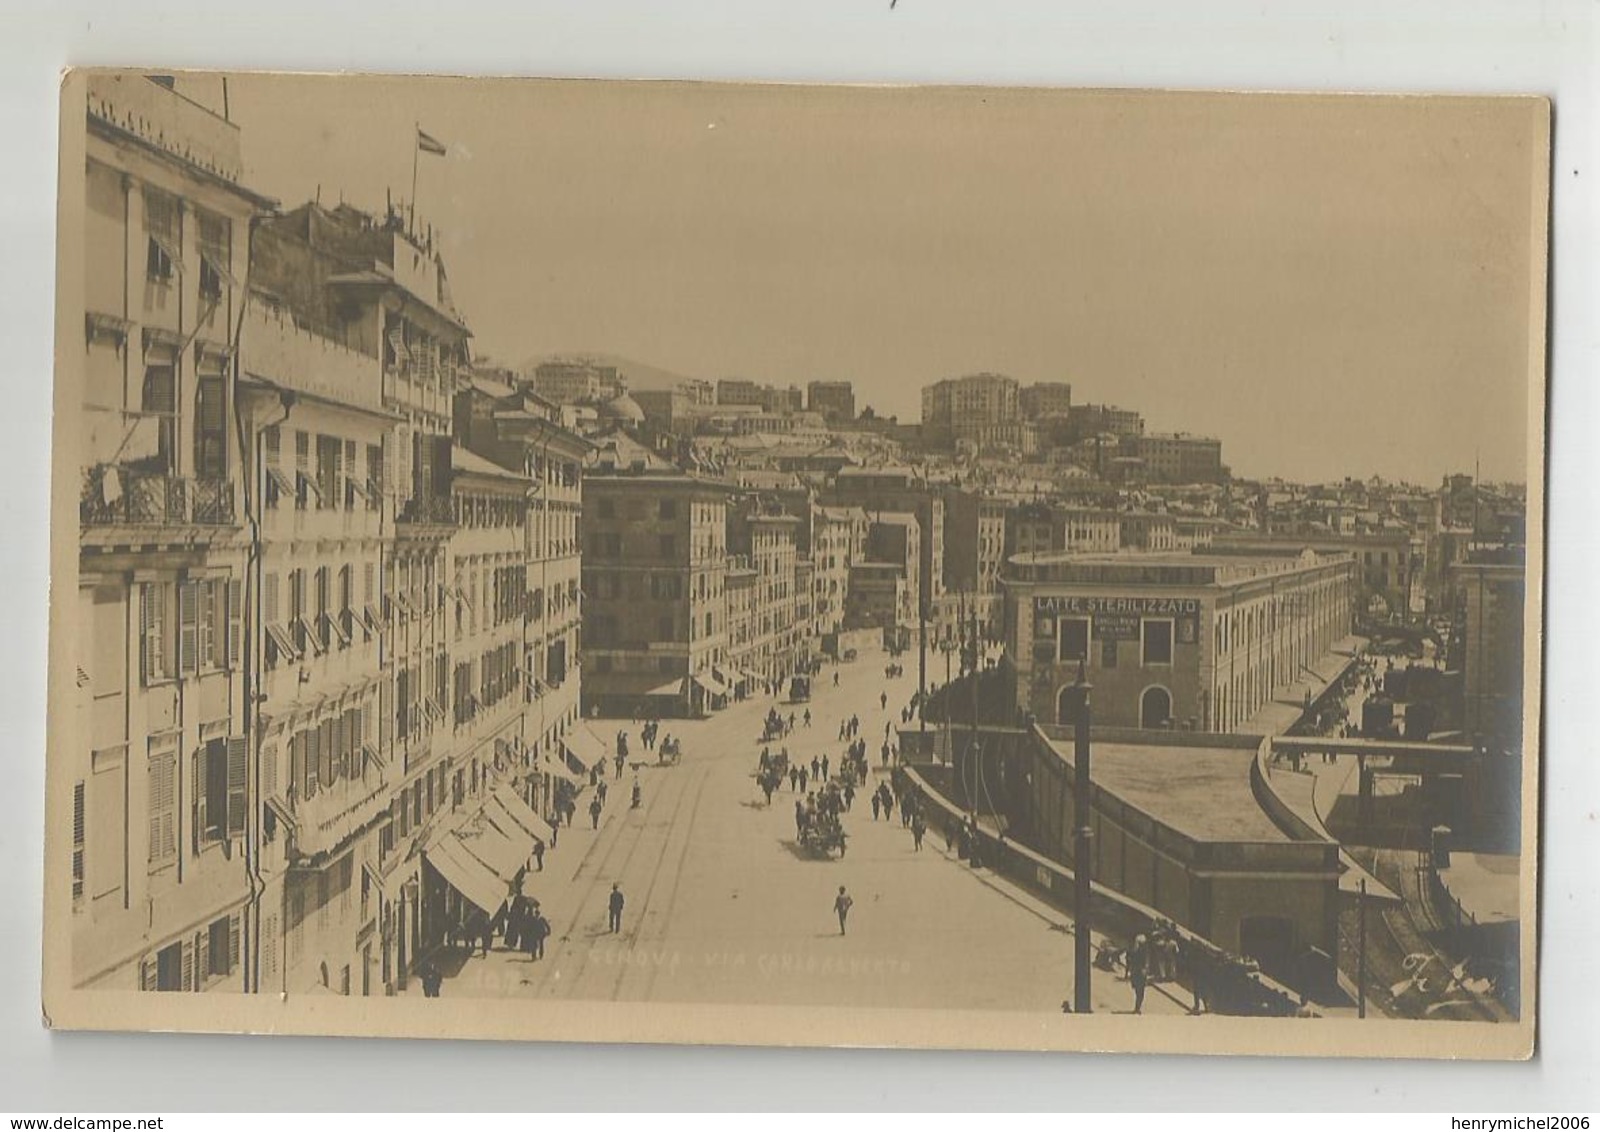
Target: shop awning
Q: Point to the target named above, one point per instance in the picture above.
(552, 765)
(467, 875)
(711, 684)
(506, 851)
(752, 678)
(518, 812)
(583, 746)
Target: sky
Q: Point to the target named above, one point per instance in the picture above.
(1334, 287)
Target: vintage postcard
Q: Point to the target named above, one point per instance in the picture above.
(670, 562)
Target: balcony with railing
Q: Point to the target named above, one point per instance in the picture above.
(121, 495)
(438, 510)
(160, 117)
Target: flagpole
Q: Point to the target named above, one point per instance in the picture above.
(416, 147)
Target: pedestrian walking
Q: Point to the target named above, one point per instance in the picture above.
(918, 828)
(638, 793)
(849, 793)
(877, 806)
(431, 978)
(802, 780)
(883, 700)
(601, 790)
(799, 817)
(816, 768)
(538, 853)
(841, 905)
(1138, 970)
(835, 679)
(538, 931)
(808, 717)
(594, 812)
(824, 768)
(615, 907)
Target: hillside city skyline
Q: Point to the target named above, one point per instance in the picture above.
(694, 242)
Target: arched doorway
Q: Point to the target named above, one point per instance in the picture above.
(1155, 708)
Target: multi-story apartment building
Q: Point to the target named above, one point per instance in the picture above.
(1147, 530)
(568, 381)
(1487, 644)
(886, 580)
(971, 401)
(373, 284)
(654, 568)
(778, 400)
(838, 538)
(1102, 420)
(1177, 457)
(1045, 399)
(740, 391)
(519, 429)
(1035, 527)
(974, 551)
(779, 640)
(316, 437)
(161, 736)
(835, 400)
(878, 490)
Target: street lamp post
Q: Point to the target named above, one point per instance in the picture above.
(922, 667)
(1081, 867)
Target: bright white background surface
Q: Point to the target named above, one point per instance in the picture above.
(1437, 46)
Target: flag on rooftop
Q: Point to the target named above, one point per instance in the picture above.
(429, 144)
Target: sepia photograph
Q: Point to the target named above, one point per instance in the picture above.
(753, 563)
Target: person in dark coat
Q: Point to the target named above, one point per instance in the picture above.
(431, 978)
(614, 906)
(841, 905)
(538, 854)
(1139, 970)
(538, 930)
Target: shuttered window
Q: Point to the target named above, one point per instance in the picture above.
(188, 626)
(235, 592)
(152, 632)
(238, 796)
(163, 805)
(77, 840)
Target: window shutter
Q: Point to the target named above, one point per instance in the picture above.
(269, 770)
(325, 752)
(202, 959)
(269, 599)
(297, 763)
(310, 760)
(234, 958)
(186, 980)
(198, 766)
(238, 799)
(206, 624)
(77, 839)
(235, 622)
(152, 622)
(188, 617)
(147, 973)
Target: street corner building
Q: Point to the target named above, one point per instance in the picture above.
(1183, 641)
(327, 606)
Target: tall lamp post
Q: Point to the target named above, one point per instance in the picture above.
(922, 667)
(1081, 852)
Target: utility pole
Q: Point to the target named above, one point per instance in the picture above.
(1081, 851)
(922, 667)
(1361, 949)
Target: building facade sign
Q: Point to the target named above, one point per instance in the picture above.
(1095, 606)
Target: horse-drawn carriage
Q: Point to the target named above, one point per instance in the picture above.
(670, 753)
(822, 835)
